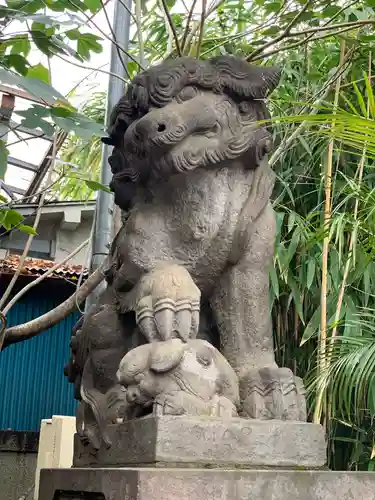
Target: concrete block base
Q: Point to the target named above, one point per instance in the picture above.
(201, 484)
(182, 441)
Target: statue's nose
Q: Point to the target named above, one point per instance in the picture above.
(150, 128)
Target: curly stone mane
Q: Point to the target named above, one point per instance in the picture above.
(247, 85)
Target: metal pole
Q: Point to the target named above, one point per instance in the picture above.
(104, 202)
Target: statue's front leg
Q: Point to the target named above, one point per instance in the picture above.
(166, 302)
(242, 310)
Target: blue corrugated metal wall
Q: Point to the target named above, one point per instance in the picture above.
(32, 381)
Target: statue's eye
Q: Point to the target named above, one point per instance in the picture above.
(187, 93)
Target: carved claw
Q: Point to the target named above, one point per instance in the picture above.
(167, 303)
(273, 393)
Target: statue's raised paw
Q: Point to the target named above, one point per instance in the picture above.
(166, 302)
(273, 393)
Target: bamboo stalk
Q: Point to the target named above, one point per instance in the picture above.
(360, 169)
(320, 403)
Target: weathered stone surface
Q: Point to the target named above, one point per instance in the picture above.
(190, 166)
(213, 442)
(179, 378)
(172, 484)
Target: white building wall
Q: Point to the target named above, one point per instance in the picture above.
(67, 240)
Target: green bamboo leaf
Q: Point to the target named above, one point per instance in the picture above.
(96, 186)
(361, 100)
(367, 283)
(310, 273)
(294, 242)
(371, 396)
(296, 297)
(291, 221)
(274, 281)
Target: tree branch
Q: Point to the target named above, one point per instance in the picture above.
(91, 69)
(291, 34)
(25, 289)
(123, 64)
(286, 143)
(138, 15)
(30, 238)
(172, 26)
(30, 329)
(306, 40)
(283, 35)
(201, 29)
(117, 45)
(188, 21)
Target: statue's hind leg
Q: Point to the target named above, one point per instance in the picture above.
(242, 310)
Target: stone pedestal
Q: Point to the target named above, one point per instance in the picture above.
(207, 442)
(203, 458)
(193, 484)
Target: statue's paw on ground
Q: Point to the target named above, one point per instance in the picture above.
(273, 393)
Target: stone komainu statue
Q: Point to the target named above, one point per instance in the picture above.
(192, 259)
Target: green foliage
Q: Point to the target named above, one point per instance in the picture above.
(52, 36)
(83, 155)
(11, 219)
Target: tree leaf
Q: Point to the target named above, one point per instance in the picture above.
(27, 229)
(40, 72)
(11, 218)
(36, 87)
(16, 61)
(21, 45)
(29, 6)
(87, 42)
(34, 118)
(92, 5)
(73, 34)
(96, 186)
(78, 123)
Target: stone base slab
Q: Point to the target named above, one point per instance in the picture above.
(207, 442)
(193, 484)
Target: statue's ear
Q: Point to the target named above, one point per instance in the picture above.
(133, 363)
(239, 78)
(166, 355)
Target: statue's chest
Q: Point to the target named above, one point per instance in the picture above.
(187, 208)
(190, 220)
